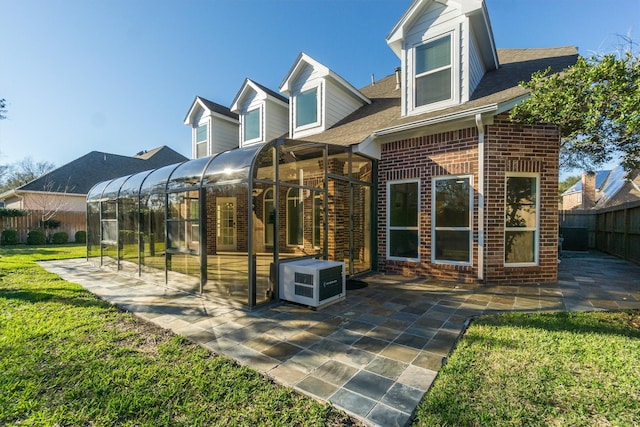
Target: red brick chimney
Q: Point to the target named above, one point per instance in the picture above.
(588, 190)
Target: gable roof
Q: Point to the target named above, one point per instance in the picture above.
(81, 174)
(498, 91)
(259, 89)
(478, 15)
(208, 105)
(323, 71)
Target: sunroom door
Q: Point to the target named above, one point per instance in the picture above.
(226, 223)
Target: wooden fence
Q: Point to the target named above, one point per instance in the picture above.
(70, 222)
(614, 230)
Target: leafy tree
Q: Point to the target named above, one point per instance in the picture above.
(22, 172)
(565, 184)
(3, 108)
(596, 103)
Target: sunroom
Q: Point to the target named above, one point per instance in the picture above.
(220, 226)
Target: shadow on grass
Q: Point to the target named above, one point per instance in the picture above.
(79, 298)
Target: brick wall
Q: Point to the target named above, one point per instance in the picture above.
(508, 148)
(517, 148)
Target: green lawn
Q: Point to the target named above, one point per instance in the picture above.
(558, 369)
(68, 358)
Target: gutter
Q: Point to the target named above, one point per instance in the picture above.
(481, 193)
(436, 120)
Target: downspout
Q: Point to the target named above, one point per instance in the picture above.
(480, 126)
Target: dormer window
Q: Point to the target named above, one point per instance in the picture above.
(433, 69)
(251, 124)
(306, 105)
(201, 141)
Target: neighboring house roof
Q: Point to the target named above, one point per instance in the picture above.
(81, 174)
(601, 177)
(614, 183)
(498, 91)
(612, 187)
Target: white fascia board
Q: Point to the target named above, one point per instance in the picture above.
(369, 147)
(196, 102)
(302, 59)
(395, 37)
(355, 92)
(508, 105)
(246, 87)
(449, 118)
(8, 193)
(226, 118)
(235, 108)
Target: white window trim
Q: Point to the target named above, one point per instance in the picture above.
(206, 141)
(260, 125)
(455, 75)
(389, 227)
(536, 229)
(434, 260)
(301, 201)
(319, 110)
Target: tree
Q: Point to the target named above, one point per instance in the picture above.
(565, 184)
(22, 172)
(3, 108)
(596, 104)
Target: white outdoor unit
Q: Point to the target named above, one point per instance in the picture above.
(312, 282)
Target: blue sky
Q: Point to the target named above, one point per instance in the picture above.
(120, 75)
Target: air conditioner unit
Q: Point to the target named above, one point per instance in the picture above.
(312, 282)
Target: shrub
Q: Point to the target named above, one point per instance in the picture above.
(59, 238)
(9, 237)
(50, 224)
(35, 237)
(80, 236)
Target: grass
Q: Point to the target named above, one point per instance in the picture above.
(557, 369)
(68, 358)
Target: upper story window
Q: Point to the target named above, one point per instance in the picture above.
(306, 105)
(201, 141)
(252, 128)
(433, 71)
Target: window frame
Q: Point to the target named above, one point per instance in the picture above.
(453, 67)
(204, 142)
(390, 228)
(259, 110)
(435, 228)
(318, 121)
(536, 229)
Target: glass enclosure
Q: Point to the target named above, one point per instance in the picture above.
(219, 226)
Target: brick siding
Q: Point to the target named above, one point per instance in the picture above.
(509, 147)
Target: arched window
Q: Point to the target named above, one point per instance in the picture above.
(269, 219)
(295, 223)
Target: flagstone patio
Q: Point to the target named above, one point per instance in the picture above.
(377, 352)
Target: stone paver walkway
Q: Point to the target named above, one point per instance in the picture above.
(374, 354)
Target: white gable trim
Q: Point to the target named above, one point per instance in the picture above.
(322, 71)
(247, 86)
